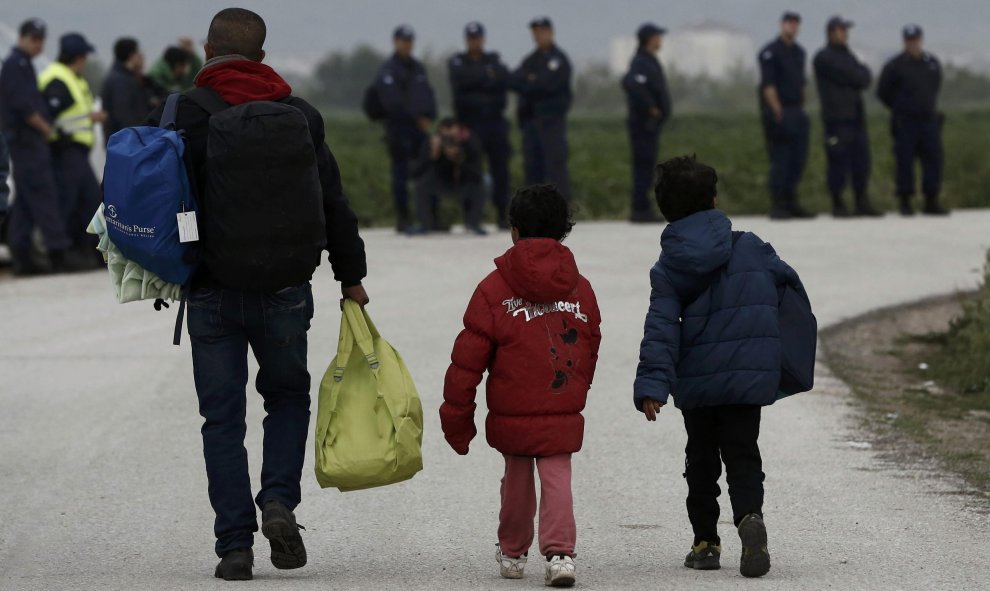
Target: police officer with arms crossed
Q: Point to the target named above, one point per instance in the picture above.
(649, 105)
(71, 106)
(26, 128)
(479, 81)
(410, 108)
(909, 86)
(841, 81)
(785, 123)
(543, 82)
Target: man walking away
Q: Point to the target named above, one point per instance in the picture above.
(841, 81)
(909, 86)
(410, 108)
(270, 199)
(26, 128)
(543, 82)
(649, 104)
(71, 107)
(479, 81)
(785, 123)
(126, 100)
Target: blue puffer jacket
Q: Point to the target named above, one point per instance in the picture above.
(717, 346)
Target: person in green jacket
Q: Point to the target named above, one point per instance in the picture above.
(176, 69)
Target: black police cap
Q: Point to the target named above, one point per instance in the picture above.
(474, 29)
(541, 21)
(912, 32)
(790, 15)
(34, 27)
(404, 32)
(837, 22)
(648, 30)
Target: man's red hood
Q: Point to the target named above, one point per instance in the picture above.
(539, 270)
(242, 81)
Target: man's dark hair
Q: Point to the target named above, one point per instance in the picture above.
(124, 48)
(685, 186)
(176, 56)
(540, 211)
(237, 31)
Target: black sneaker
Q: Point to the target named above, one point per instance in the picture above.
(934, 209)
(278, 524)
(755, 561)
(236, 565)
(704, 556)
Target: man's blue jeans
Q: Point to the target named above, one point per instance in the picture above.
(223, 323)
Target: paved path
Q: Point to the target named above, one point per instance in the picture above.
(102, 483)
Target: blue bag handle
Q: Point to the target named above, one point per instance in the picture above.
(169, 112)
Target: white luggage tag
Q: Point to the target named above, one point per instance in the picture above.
(188, 229)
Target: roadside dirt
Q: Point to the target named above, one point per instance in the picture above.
(910, 418)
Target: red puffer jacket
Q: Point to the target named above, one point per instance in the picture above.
(533, 324)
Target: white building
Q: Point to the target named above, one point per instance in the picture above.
(707, 48)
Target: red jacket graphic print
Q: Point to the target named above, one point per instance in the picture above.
(534, 325)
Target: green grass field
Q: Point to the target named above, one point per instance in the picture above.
(733, 143)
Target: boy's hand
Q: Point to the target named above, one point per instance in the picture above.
(651, 408)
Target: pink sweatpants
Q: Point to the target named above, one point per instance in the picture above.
(558, 532)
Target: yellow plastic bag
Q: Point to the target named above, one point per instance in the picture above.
(369, 424)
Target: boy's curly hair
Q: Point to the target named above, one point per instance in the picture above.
(685, 186)
(540, 211)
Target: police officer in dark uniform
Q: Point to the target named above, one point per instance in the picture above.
(785, 123)
(410, 108)
(841, 81)
(909, 86)
(543, 82)
(479, 81)
(649, 105)
(26, 127)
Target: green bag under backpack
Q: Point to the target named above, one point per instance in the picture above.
(369, 425)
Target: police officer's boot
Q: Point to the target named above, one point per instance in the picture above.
(779, 209)
(403, 221)
(864, 208)
(503, 219)
(63, 261)
(24, 264)
(796, 210)
(839, 209)
(907, 210)
(933, 207)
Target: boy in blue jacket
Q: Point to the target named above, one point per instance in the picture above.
(712, 341)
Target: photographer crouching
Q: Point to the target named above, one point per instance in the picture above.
(449, 164)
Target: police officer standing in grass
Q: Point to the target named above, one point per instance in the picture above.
(841, 81)
(785, 123)
(543, 82)
(71, 107)
(26, 127)
(649, 109)
(407, 100)
(479, 81)
(909, 86)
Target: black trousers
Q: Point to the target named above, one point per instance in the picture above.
(722, 434)
(644, 139)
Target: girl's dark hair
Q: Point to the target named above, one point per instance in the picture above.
(540, 211)
(685, 186)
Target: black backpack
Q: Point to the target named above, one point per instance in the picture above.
(372, 105)
(263, 226)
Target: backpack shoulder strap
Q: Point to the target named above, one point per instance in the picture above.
(208, 99)
(169, 112)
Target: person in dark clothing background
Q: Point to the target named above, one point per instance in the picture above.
(4, 188)
(785, 123)
(479, 81)
(126, 98)
(26, 127)
(71, 107)
(410, 108)
(909, 86)
(449, 163)
(543, 82)
(842, 79)
(649, 104)
(224, 322)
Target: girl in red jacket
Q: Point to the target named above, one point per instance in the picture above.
(533, 324)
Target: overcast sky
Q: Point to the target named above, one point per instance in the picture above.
(299, 31)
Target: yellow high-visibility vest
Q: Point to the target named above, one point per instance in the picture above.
(75, 121)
